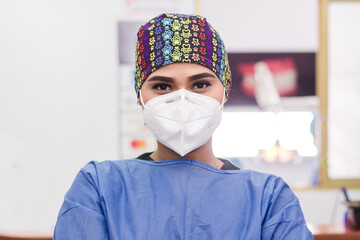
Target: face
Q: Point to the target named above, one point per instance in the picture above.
(189, 76)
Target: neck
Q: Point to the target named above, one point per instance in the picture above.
(204, 154)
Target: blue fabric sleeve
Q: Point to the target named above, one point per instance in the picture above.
(81, 215)
(284, 218)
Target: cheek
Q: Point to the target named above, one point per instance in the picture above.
(217, 94)
(220, 97)
(146, 94)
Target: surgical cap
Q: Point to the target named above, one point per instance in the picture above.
(171, 38)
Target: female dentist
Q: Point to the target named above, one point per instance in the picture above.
(181, 190)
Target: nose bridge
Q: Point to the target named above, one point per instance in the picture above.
(182, 83)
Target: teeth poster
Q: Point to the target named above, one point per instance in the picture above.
(293, 74)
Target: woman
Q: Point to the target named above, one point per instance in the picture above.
(181, 190)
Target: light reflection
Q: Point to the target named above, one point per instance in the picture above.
(276, 137)
(277, 154)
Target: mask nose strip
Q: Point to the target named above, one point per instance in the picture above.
(174, 99)
(177, 98)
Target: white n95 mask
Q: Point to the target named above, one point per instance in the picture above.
(182, 120)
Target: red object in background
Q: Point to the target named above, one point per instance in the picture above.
(138, 143)
(283, 70)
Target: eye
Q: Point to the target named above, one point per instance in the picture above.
(161, 87)
(201, 85)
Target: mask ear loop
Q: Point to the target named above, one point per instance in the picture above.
(141, 102)
(224, 99)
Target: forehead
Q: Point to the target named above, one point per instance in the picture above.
(181, 69)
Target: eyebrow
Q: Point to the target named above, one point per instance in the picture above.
(161, 78)
(201, 75)
(171, 80)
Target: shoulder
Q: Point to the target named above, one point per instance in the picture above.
(258, 179)
(109, 167)
(94, 167)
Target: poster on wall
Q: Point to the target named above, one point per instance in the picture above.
(293, 75)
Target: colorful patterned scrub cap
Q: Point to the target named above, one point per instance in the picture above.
(171, 38)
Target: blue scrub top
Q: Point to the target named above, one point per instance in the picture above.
(177, 199)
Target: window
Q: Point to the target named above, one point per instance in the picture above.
(339, 91)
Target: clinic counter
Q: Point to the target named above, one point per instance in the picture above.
(333, 232)
(25, 235)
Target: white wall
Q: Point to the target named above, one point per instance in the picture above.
(58, 102)
(260, 25)
(58, 92)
